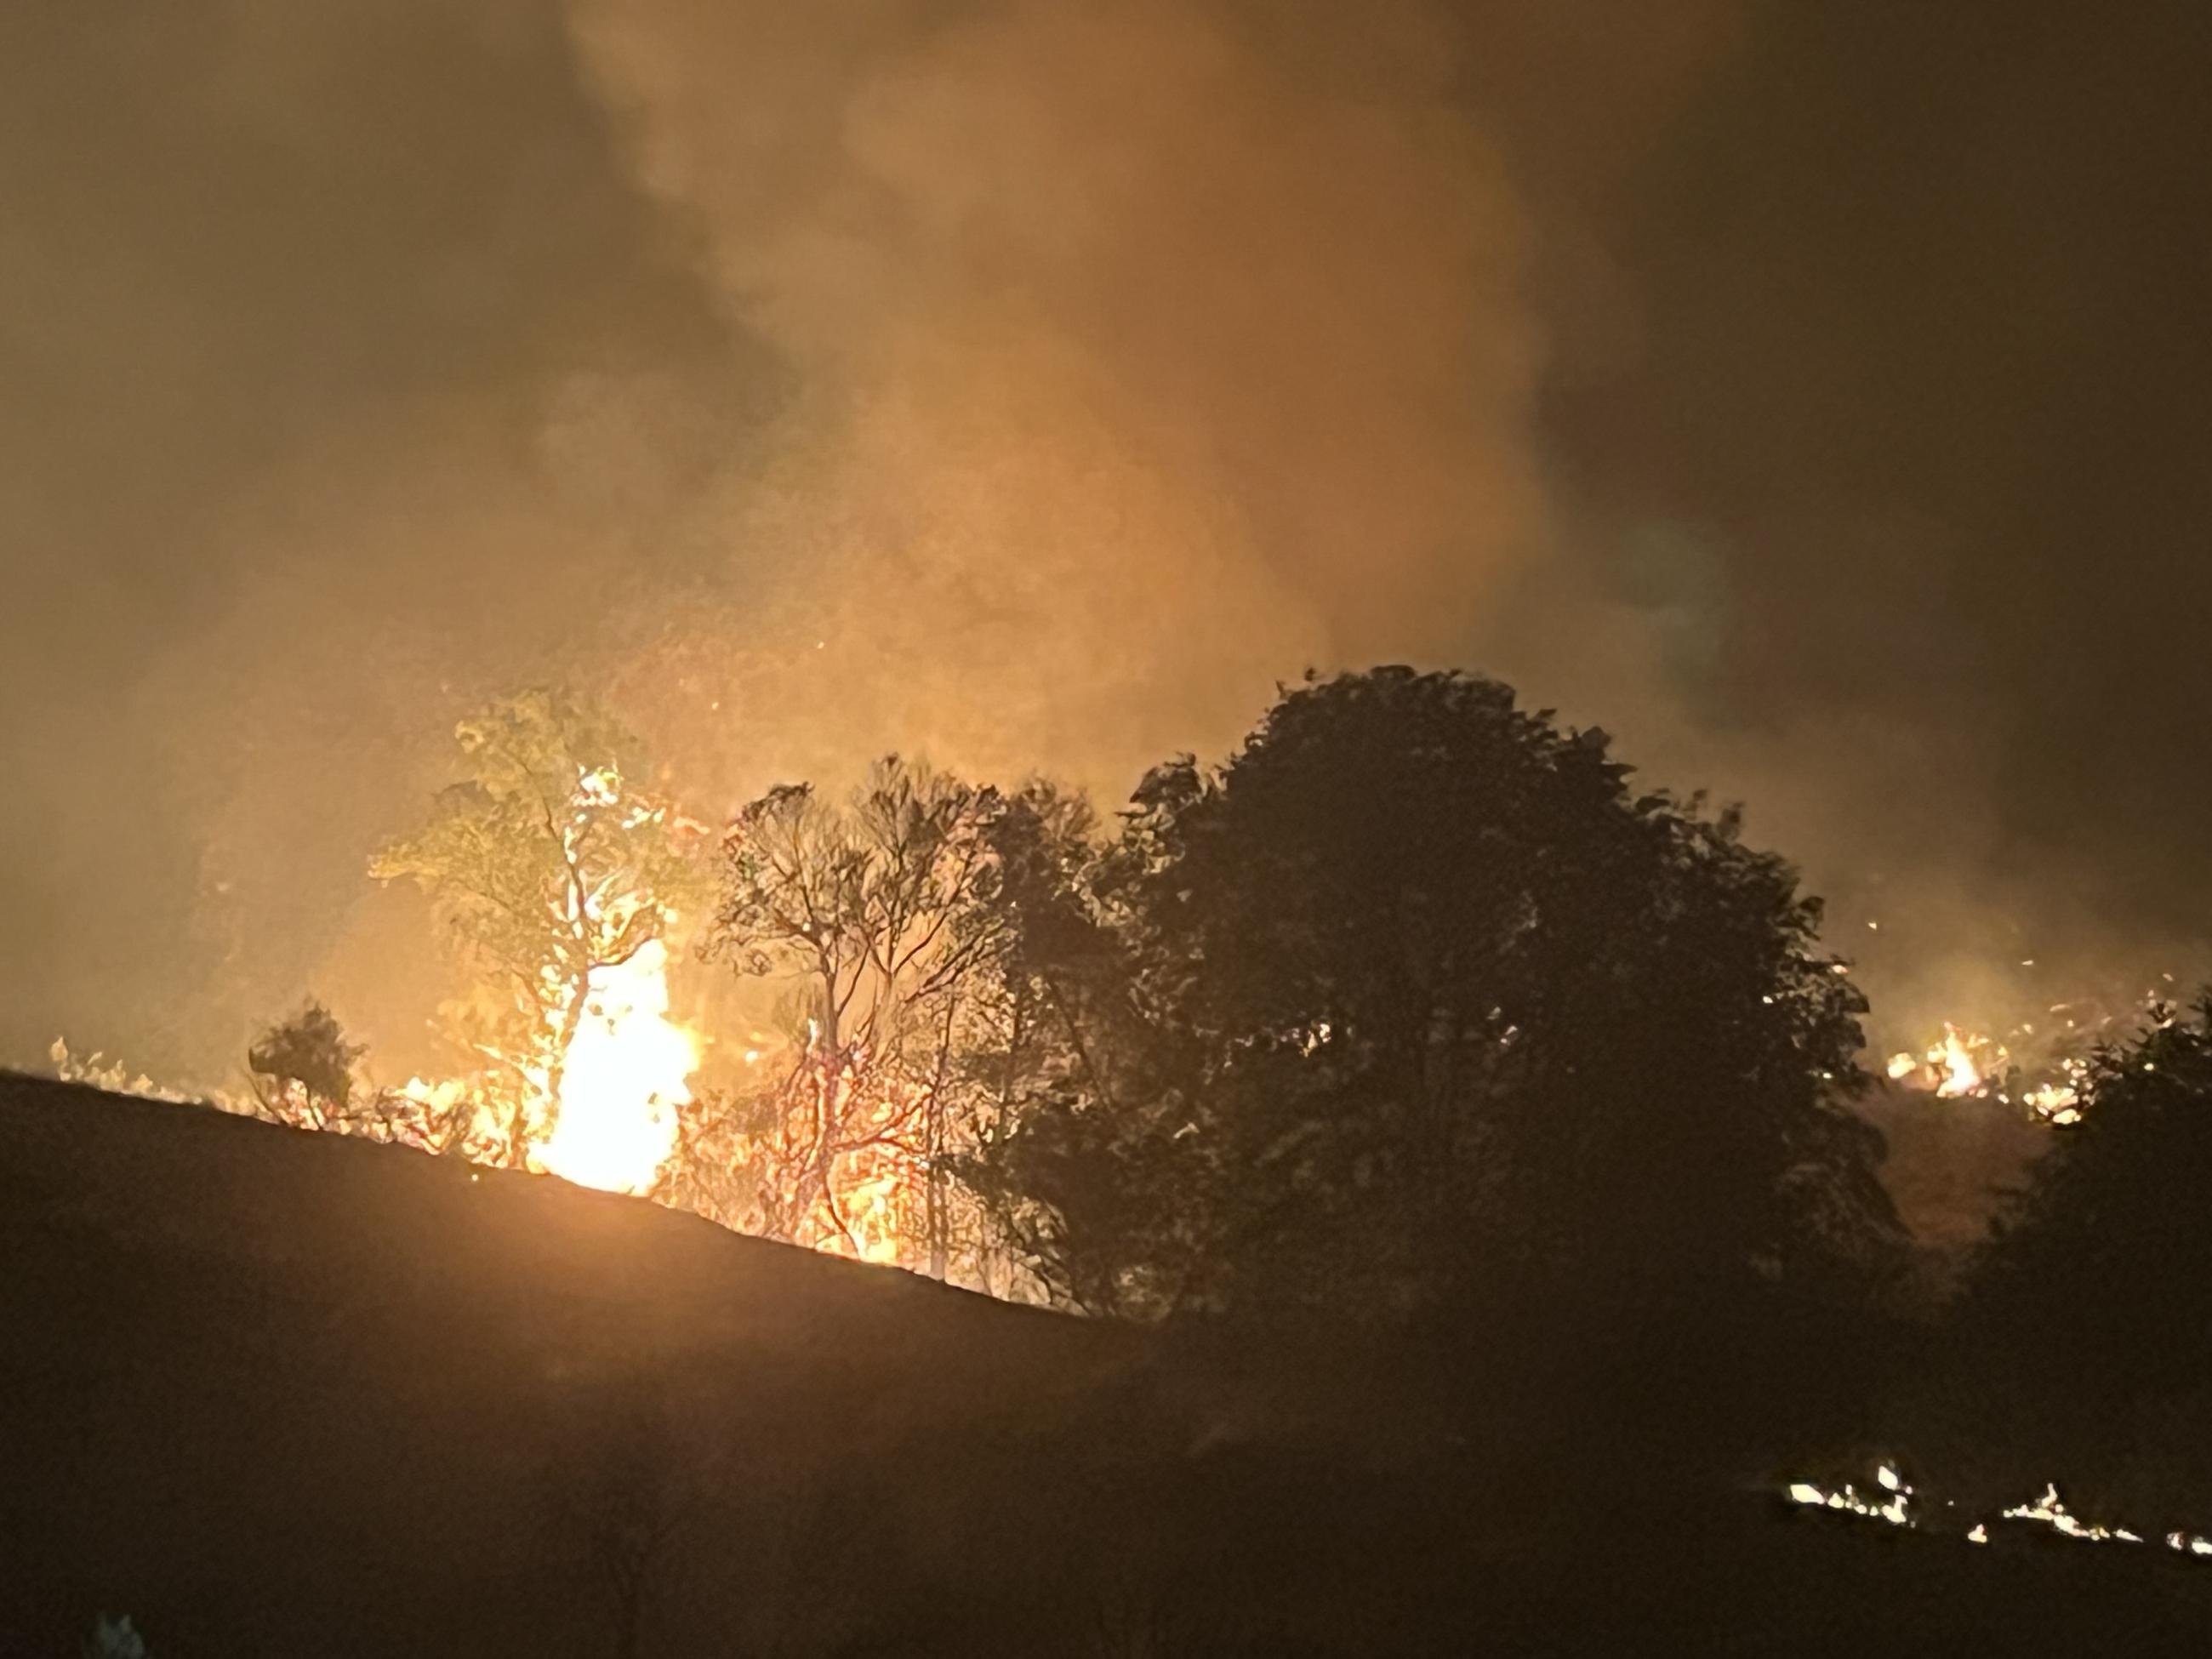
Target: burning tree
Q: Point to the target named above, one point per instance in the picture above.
(874, 911)
(560, 877)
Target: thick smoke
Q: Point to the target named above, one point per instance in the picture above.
(299, 307)
(1143, 363)
(1035, 384)
(1902, 479)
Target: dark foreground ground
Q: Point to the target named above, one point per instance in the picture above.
(274, 1393)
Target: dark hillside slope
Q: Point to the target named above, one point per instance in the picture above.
(273, 1391)
(274, 1394)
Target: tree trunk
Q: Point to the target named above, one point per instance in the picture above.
(828, 1077)
(579, 992)
(572, 1020)
(935, 1221)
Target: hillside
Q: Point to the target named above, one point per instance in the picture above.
(277, 1393)
(1951, 1160)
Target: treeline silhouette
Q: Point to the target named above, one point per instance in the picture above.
(1413, 1033)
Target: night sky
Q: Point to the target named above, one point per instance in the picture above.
(1812, 393)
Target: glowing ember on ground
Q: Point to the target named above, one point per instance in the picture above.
(2045, 1510)
(2053, 1514)
(626, 1074)
(1961, 1063)
(1846, 1498)
(2044, 1064)
(2056, 1102)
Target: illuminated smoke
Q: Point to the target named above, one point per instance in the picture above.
(1026, 383)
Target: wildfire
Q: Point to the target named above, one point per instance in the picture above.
(842, 1162)
(876, 1179)
(1961, 1076)
(2052, 1512)
(626, 1074)
(2056, 1102)
(871, 1203)
(2042, 1065)
(1892, 1508)
(2047, 1509)
(2046, 1064)
(1961, 1063)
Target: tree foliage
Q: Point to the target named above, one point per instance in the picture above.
(553, 859)
(869, 911)
(305, 1073)
(306, 1065)
(1424, 1000)
(1082, 1167)
(2099, 1275)
(1413, 1003)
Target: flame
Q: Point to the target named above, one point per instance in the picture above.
(877, 1202)
(870, 1205)
(2046, 1065)
(876, 1185)
(1894, 1508)
(1954, 1058)
(2054, 1514)
(2056, 1102)
(626, 1074)
(1961, 1063)
(2046, 1069)
(2049, 1511)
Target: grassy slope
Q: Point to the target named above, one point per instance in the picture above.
(255, 1383)
(280, 1394)
(1950, 1160)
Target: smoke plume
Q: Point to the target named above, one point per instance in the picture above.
(1807, 395)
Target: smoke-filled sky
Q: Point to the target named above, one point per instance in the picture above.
(1813, 393)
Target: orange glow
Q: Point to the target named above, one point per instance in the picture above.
(1954, 1057)
(1958, 1063)
(626, 1074)
(2043, 1066)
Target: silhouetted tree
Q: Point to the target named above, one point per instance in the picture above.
(1078, 1164)
(2079, 1349)
(2099, 1273)
(553, 861)
(304, 1074)
(869, 909)
(302, 1069)
(1429, 1005)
